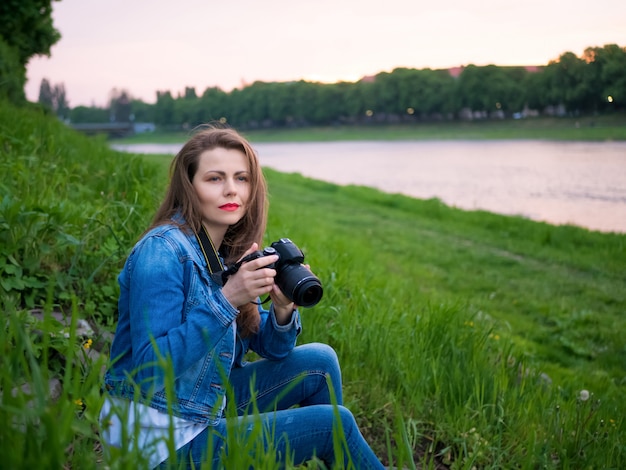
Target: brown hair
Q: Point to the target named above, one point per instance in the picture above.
(181, 199)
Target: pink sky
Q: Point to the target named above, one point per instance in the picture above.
(143, 46)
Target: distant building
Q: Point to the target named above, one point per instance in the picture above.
(456, 71)
(114, 129)
(143, 127)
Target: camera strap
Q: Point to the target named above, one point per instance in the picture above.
(216, 268)
(210, 255)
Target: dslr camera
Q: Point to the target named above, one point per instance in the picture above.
(298, 284)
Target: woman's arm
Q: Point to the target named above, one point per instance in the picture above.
(275, 341)
(164, 322)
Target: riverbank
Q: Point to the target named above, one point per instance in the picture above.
(449, 309)
(466, 338)
(598, 128)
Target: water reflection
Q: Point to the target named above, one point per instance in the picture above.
(582, 183)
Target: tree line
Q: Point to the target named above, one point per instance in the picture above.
(571, 85)
(594, 82)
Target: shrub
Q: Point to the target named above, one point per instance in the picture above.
(69, 211)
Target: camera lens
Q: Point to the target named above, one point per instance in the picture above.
(299, 285)
(308, 293)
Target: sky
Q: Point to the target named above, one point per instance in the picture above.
(145, 46)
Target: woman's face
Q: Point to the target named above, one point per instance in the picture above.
(222, 183)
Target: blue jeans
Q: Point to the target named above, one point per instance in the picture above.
(305, 430)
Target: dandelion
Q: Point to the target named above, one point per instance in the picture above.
(87, 344)
(583, 395)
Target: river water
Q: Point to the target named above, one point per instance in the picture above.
(579, 183)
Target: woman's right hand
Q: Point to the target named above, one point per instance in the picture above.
(252, 280)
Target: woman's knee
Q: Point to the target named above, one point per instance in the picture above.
(347, 419)
(332, 415)
(320, 356)
(322, 366)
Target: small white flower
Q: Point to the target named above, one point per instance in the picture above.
(584, 395)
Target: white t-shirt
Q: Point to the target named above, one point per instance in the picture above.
(149, 426)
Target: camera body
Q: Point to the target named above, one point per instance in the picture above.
(299, 284)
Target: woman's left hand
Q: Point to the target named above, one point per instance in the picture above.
(283, 307)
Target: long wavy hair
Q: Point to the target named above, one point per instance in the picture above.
(181, 199)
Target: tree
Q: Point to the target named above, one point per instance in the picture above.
(425, 92)
(215, 104)
(61, 106)
(143, 112)
(12, 74)
(570, 83)
(256, 101)
(120, 106)
(46, 97)
(537, 90)
(26, 30)
(608, 74)
(190, 93)
(84, 114)
(54, 98)
(491, 88)
(164, 109)
(26, 26)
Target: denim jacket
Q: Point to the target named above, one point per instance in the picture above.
(171, 311)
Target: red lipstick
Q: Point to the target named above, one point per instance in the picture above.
(230, 207)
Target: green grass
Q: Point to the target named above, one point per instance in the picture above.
(465, 337)
(442, 311)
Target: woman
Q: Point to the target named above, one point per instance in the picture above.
(183, 330)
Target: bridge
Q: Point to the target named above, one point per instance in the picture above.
(111, 129)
